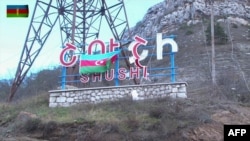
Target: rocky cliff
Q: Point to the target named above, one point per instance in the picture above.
(169, 14)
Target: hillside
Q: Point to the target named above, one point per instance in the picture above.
(199, 117)
(188, 20)
(159, 120)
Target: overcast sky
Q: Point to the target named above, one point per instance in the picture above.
(13, 32)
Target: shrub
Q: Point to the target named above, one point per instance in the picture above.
(189, 32)
(49, 128)
(220, 37)
(32, 124)
(187, 29)
(132, 123)
(156, 113)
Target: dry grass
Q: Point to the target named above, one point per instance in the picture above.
(156, 119)
(124, 117)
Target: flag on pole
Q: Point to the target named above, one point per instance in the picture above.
(98, 63)
(16, 11)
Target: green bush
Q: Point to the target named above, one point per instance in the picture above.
(220, 37)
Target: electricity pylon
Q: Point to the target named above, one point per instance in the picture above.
(79, 21)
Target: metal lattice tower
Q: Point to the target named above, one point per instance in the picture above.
(79, 21)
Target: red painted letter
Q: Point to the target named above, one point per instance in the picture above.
(70, 49)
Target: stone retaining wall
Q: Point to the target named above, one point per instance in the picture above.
(66, 98)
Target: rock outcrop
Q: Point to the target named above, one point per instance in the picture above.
(169, 14)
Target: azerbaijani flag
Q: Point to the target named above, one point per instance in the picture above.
(97, 63)
(16, 11)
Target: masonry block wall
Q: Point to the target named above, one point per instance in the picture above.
(69, 97)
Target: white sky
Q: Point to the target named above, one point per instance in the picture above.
(13, 32)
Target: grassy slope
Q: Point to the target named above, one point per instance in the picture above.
(152, 118)
(157, 119)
